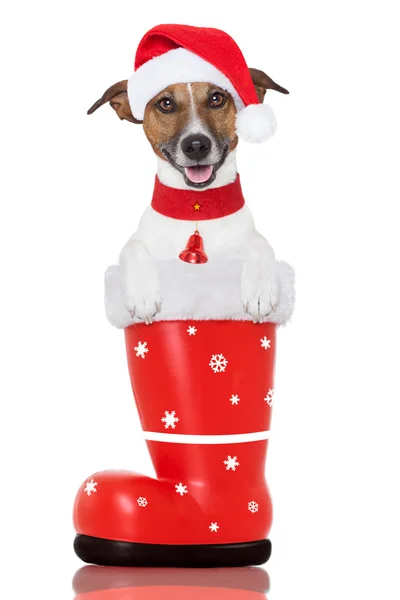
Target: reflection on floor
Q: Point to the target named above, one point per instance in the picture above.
(115, 583)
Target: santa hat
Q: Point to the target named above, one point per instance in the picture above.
(169, 54)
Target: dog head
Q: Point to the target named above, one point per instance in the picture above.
(191, 126)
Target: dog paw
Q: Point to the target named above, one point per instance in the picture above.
(259, 290)
(141, 290)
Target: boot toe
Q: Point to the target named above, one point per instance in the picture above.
(108, 503)
(129, 507)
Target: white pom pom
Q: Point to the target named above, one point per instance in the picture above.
(256, 123)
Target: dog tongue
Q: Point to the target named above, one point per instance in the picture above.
(198, 174)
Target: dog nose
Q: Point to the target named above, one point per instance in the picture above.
(196, 146)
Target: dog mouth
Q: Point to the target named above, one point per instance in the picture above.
(198, 176)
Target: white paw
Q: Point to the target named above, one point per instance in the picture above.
(141, 289)
(260, 289)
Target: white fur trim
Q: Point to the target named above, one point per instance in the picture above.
(199, 292)
(176, 66)
(256, 123)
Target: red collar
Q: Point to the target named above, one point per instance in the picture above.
(192, 205)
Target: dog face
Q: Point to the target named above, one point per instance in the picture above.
(193, 127)
(190, 125)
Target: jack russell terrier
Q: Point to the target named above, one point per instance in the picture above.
(191, 114)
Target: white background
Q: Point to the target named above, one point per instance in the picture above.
(324, 191)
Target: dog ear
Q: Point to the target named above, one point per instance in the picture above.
(117, 96)
(262, 83)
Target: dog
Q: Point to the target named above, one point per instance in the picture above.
(192, 130)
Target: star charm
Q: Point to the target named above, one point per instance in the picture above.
(196, 206)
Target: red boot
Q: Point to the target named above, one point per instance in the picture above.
(204, 391)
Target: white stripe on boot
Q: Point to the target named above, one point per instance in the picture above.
(181, 438)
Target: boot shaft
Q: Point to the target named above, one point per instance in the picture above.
(204, 392)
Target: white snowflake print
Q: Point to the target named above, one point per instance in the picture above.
(181, 489)
(218, 363)
(234, 399)
(142, 501)
(269, 398)
(170, 419)
(141, 349)
(191, 330)
(253, 507)
(214, 527)
(90, 487)
(231, 463)
(265, 342)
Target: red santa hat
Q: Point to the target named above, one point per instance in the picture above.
(169, 54)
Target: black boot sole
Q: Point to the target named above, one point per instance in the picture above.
(111, 553)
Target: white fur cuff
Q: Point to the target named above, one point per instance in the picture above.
(191, 294)
(176, 66)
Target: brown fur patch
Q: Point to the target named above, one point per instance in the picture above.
(117, 96)
(263, 82)
(161, 127)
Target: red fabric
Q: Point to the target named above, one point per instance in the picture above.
(214, 203)
(213, 45)
(175, 376)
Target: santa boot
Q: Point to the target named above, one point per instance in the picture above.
(204, 391)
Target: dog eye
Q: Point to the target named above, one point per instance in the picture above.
(166, 105)
(217, 100)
